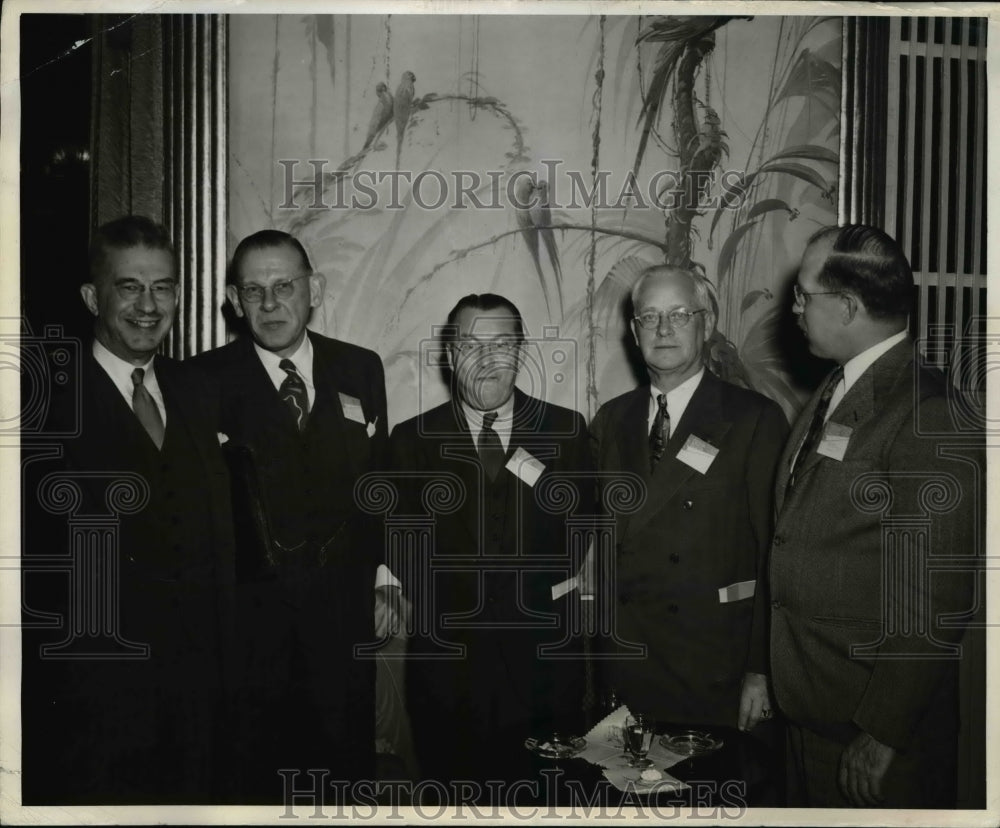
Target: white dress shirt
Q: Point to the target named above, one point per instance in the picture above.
(677, 400)
(856, 366)
(303, 359)
(120, 372)
(503, 425)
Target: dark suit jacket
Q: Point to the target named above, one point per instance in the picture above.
(306, 698)
(828, 584)
(123, 731)
(695, 534)
(502, 687)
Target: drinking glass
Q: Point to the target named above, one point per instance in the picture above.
(638, 739)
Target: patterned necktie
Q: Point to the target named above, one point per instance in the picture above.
(660, 432)
(815, 425)
(145, 408)
(491, 453)
(293, 392)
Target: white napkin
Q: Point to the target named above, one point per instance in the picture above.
(606, 749)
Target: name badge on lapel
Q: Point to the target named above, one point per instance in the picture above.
(835, 440)
(697, 454)
(352, 408)
(526, 467)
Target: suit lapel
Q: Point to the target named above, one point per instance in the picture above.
(703, 418)
(182, 406)
(328, 382)
(457, 453)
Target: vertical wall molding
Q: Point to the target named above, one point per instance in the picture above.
(863, 120)
(195, 175)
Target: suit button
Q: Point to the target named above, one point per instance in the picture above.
(687, 505)
(674, 557)
(672, 608)
(778, 540)
(776, 605)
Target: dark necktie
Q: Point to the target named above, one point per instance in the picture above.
(660, 432)
(293, 392)
(815, 425)
(491, 453)
(145, 408)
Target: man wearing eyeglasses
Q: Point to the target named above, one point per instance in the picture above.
(496, 557)
(126, 707)
(873, 486)
(312, 410)
(690, 582)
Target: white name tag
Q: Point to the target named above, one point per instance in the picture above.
(526, 467)
(835, 440)
(697, 454)
(737, 592)
(352, 408)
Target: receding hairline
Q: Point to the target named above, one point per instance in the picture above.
(647, 276)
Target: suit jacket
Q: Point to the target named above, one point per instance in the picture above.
(695, 534)
(502, 686)
(148, 729)
(835, 534)
(304, 697)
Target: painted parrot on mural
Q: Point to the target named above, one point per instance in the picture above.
(403, 102)
(534, 218)
(382, 114)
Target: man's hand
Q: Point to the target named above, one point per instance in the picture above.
(862, 766)
(755, 701)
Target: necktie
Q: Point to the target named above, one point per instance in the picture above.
(145, 408)
(660, 432)
(293, 392)
(815, 425)
(491, 453)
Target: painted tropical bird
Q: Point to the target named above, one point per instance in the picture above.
(534, 217)
(382, 114)
(403, 101)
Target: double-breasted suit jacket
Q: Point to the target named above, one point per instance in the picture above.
(502, 688)
(125, 729)
(860, 636)
(695, 534)
(306, 697)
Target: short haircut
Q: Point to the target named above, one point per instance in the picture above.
(482, 302)
(868, 263)
(704, 290)
(124, 233)
(265, 240)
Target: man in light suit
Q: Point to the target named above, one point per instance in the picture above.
(126, 705)
(472, 711)
(864, 662)
(690, 563)
(312, 411)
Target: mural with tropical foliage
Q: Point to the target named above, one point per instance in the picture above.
(741, 114)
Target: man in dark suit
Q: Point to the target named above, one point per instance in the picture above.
(689, 583)
(864, 662)
(312, 411)
(122, 702)
(498, 548)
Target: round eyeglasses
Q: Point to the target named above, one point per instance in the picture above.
(280, 290)
(650, 320)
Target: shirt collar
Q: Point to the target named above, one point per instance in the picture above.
(302, 358)
(505, 416)
(679, 397)
(120, 371)
(857, 365)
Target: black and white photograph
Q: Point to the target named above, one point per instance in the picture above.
(538, 411)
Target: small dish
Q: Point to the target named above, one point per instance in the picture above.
(556, 746)
(690, 742)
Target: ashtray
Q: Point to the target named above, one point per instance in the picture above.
(556, 746)
(690, 742)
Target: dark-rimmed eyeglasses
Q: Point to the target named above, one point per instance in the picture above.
(650, 320)
(280, 290)
(468, 347)
(802, 295)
